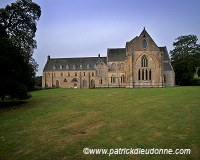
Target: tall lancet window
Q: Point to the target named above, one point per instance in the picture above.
(144, 61)
(150, 74)
(139, 74)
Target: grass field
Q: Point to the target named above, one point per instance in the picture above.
(59, 123)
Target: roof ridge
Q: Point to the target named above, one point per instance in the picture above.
(116, 48)
(78, 57)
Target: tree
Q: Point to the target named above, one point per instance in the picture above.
(185, 58)
(13, 71)
(17, 32)
(19, 21)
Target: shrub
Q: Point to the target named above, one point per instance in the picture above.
(195, 82)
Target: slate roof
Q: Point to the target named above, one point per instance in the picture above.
(54, 64)
(116, 54)
(165, 53)
(167, 66)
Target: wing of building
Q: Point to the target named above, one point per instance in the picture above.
(140, 64)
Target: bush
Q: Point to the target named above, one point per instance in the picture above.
(195, 82)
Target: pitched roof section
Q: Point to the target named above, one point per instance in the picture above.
(144, 33)
(167, 66)
(136, 44)
(165, 53)
(63, 64)
(116, 54)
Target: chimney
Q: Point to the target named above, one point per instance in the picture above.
(48, 57)
(98, 55)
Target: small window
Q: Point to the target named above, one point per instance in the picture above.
(88, 66)
(75, 74)
(65, 80)
(61, 67)
(74, 67)
(67, 66)
(68, 74)
(83, 73)
(92, 73)
(144, 44)
(81, 67)
(61, 74)
(54, 66)
(95, 66)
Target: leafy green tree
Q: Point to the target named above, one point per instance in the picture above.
(17, 32)
(13, 79)
(19, 21)
(185, 58)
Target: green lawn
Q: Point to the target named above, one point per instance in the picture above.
(59, 123)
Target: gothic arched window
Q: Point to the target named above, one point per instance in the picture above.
(144, 61)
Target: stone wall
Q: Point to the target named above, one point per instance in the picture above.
(169, 78)
(69, 79)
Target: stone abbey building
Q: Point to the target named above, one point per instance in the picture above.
(140, 64)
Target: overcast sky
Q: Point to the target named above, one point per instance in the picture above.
(86, 28)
